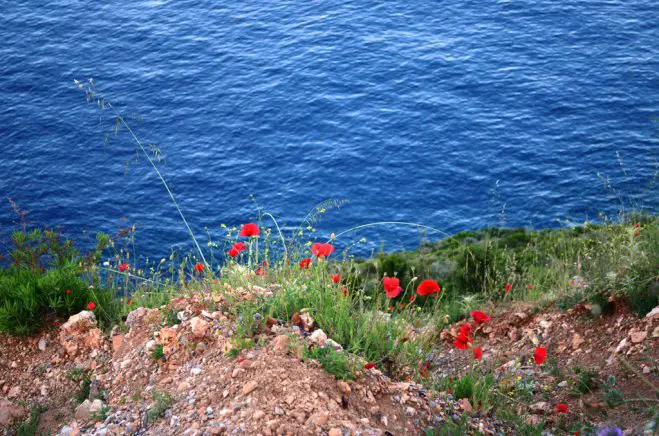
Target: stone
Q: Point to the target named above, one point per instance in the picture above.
(318, 337)
(621, 345)
(343, 387)
(638, 336)
(465, 405)
(96, 407)
(10, 412)
(281, 345)
(14, 392)
(333, 344)
(249, 387)
(335, 432)
(577, 340)
(563, 384)
(42, 344)
(117, 342)
(538, 408)
(80, 332)
(654, 312)
(318, 418)
(199, 327)
(82, 411)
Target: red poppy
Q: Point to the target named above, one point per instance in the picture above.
(322, 250)
(428, 287)
(236, 249)
(123, 267)
(56, 323)
(390, 308)
(463, 342)
(508, 287)
(199, 267)
(401, 305)
(345, 291)
(336, 278)
(478, 353)
(540, 355)
(91, 305)
(68, 292)
(129, 302)
(241, 360)
(465, 329)
(250, 229)
(304, 263)
(369, 365)
(637, 234)
(479, 316)
(412, 298)
(529, 286)
(391, 286)
(561, 408)
(637, 225)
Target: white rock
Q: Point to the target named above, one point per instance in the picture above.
(318, 337)
(42, 344)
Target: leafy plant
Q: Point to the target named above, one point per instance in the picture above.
(162, 401)
(83, 378)
(334, 362)
(584, 382)
(157, 352)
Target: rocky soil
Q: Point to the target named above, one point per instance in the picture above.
(175, 370)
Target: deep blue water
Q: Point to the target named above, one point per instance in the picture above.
(456, 114)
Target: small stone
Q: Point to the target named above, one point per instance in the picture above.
(577, 340)
(638, 336)
(10, 412)
(195, 371)
(82, 411)
(96, 407)
(621, 345)
(42, 344)
(281, 345)
(335, 432)
(646, 369)
(209, 410)
(538, 408)
(199, 327)
(343, 387)
(318, 337)
(319, 418)
(117, 342)
(249, 387)
(563, 384)
(258, 415)
(465, 405)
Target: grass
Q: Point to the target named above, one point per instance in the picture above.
(334, 362)
(162, 400)
(31, 426)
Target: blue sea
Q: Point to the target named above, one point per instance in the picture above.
(453, 114)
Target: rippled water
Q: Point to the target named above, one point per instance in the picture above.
(455, 114)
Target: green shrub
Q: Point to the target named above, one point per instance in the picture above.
(45, 279)
(334, 362)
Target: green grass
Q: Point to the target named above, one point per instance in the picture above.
(162, 401)
(30, 427)
(334, 362)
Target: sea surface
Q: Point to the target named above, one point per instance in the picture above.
(455, 114)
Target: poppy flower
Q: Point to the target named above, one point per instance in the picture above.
(637, 225)
(304, 263)
(479, 316)
(369, 365)
(508, 287)
(56, 323)
(123, 267)
(529, 286)
(412, 298)
(68, 292)
(236, 249)
(199, 267)
(540, 355)
(478, 353)
(336, 278)
(129, 302)
(561, 408)
(637, 234)
(465, 329)
(322, 250)
(463, 342)
(428, 287)
(390, 308)
(241, 360)
(260, 271)
(249, 229)
(91, 305)
(345, 291)
(391, 286)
